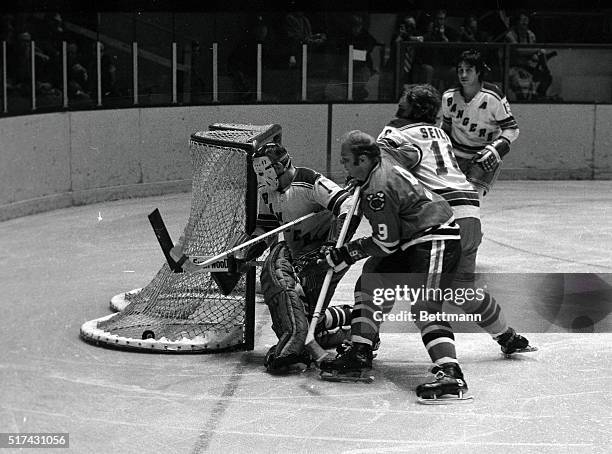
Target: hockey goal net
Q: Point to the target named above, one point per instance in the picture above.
(184, 312)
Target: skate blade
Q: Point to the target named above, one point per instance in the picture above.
(446, 399)
(334, 377)
(528, 349)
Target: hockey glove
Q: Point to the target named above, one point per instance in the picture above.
(251, 252)
(351, 183)
(338, 258)
(488, 158)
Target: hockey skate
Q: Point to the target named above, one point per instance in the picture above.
(448, 388)
(511, 343)
(351, 365)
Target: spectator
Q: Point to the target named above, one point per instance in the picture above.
(519, 32)
(49, 35)
(110, 87)
(7, 29)
(78, 76)
(438, 57)
(77, 81)
(197, 82)
(412, 69)
(299, 31)
(439, 31)
(363, 42)
(19, 65)
(529, 76)
(471, 33)
(242, 62)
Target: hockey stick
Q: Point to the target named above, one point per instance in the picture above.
(197, 264)
(163, 237)
(313, 347)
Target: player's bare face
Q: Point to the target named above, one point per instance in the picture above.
(347, 159)
(468, 76)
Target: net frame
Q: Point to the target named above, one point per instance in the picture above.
(240, 333)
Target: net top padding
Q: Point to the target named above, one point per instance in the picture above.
(245, 139)
(239, 126)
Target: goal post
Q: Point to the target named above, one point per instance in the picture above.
(186, 312)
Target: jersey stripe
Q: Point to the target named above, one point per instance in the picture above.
(508, 123)
(336, 202)
(447, 231)
(302, 184)
(388, 248)
(493, 93)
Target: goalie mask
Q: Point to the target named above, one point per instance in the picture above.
(270, 162)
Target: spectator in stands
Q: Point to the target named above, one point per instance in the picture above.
(7, 29)
(197, 82)
(78, 77)
(242, 62)
(49, 35)
(412, 69)
(110, 86)
(299, 31)
(437, 30)
(19, 66)
(77, 81)
(519, 32)
(471, 33)
(529, 75)
(362, 41)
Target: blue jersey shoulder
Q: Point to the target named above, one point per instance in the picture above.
(491, 88)
(305, 175)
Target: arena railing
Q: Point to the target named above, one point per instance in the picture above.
(114, 74)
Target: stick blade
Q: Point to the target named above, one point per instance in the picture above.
(163, 237)
(227, 280)
(317, 353)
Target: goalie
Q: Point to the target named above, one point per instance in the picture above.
(291, 279)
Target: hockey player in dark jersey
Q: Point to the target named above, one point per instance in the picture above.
(477, 117)
(414, 140)
(290, 278)
(413, 233)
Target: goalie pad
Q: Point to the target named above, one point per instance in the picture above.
(281, 294)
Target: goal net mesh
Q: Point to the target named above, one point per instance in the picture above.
(184, 312)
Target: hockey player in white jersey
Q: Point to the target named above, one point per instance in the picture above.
(477, 117)
(290, 278)
(426, 150)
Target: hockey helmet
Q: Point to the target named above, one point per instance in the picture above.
(270, 161)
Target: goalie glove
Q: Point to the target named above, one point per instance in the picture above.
(491, 155)
(251, 252)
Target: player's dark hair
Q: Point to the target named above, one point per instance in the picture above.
(420, 103)
(472, 57)
(361, 143)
